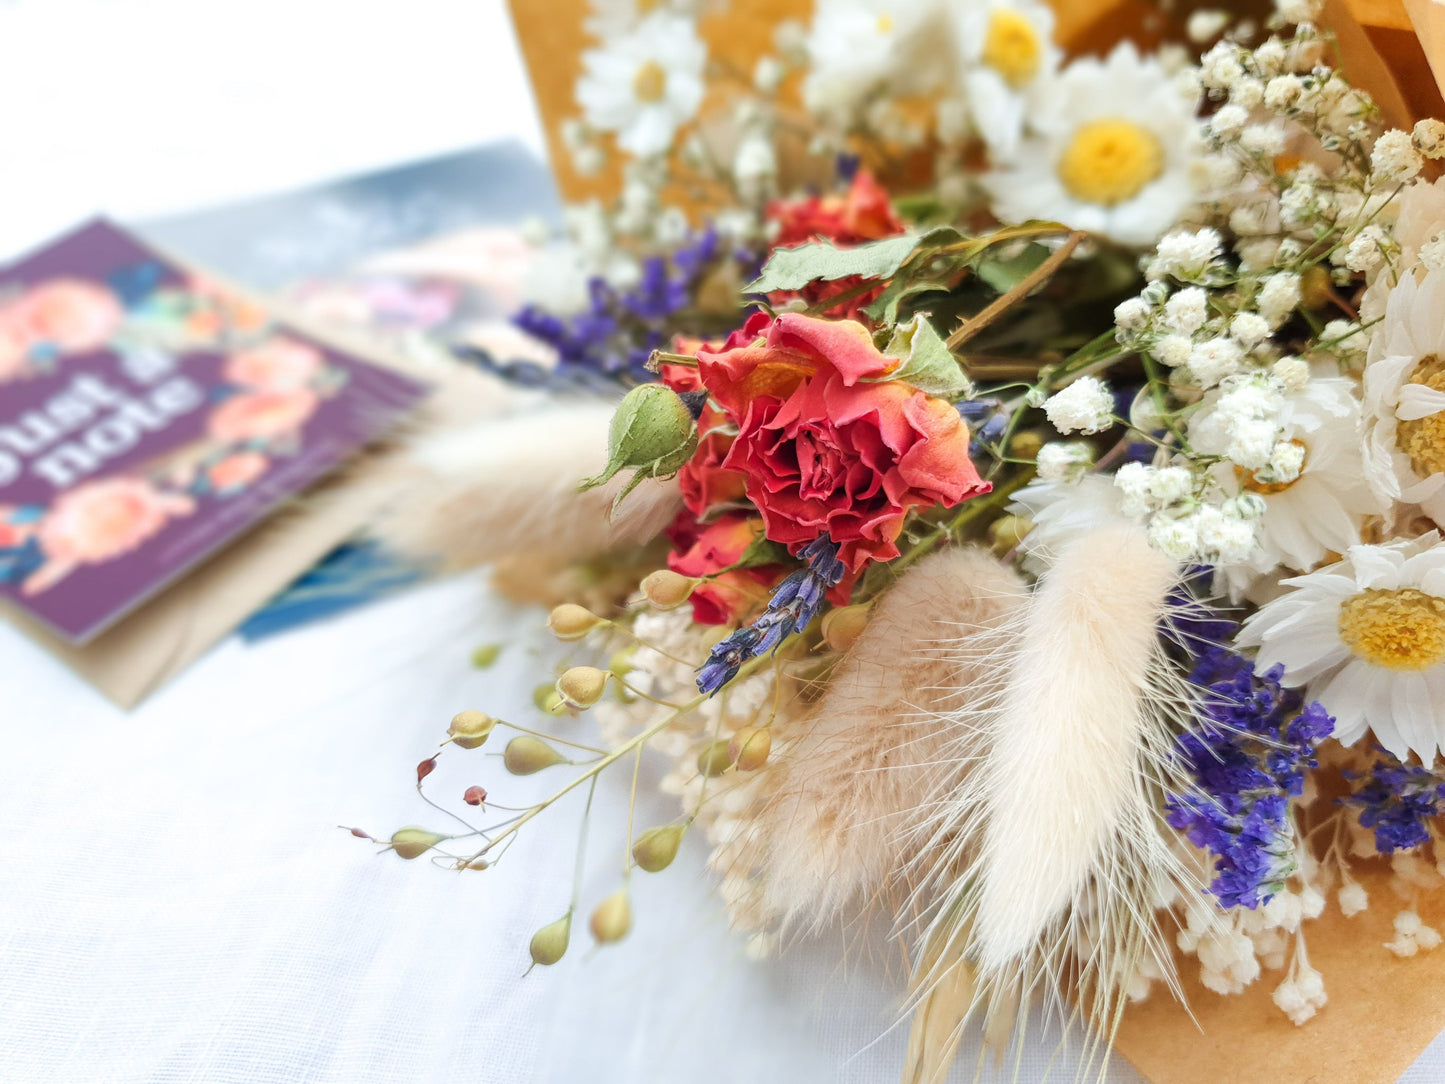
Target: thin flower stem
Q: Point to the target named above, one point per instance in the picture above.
(553, 737)
(631, 811)
(605, 762)
(581, 849)
(1029, 283)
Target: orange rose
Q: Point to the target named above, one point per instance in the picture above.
(278, 364)
(262, 415)
(102, 520)
(237, 471)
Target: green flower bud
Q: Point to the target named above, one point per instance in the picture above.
(470, 729)
(582, 686)
(652, 432)
(655, 849)
(526, 755)
(572, 622)
(714, 759)
(667, 590)
(1026, 443)
(414, 842)
(750, 746)
(613, 918)
(549, 944)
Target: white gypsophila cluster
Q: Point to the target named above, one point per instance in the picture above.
(1085, 406)
(1064, 460)
(1236, 948)
(716, 804)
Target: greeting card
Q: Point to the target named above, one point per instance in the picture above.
(149, 417)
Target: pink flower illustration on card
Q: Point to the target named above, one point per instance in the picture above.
(278, 364)
(237, 471)
(71, 314)
(262, 416)
(101, 520)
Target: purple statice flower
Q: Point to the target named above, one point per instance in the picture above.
(1397, 800)
(1247, 759)
(795, 603)
(614, 337)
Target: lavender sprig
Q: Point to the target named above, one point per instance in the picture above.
(1247, 760)
(795, 603)
(1397, 800)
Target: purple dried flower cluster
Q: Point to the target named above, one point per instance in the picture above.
(614, 336)
(1397, 801)
(795, 603)
(1247, 760)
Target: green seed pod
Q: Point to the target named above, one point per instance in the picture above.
(549, 944)
(655, 849)
(414, 842)
(842, 627)
(1026, 443)
(469, 729)
(572, 622)
(667, 590)
(620, 665)
(582, 686)
(714, 759)
(653, 432)
(1006, 532)
(613, 918)
(526, 755)
(485, 655)
(750, 746)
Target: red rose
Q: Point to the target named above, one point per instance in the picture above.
(828, 445)
(864, 213)
(707, 549)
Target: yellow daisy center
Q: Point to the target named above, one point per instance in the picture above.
(647, 7)
(1110, 161)
(885, 23)
(1403, 629)
(1248, 481)
(650, 82)
(1011, 47)
(1423, 439)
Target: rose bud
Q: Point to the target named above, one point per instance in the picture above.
(572, 622)
(582, 686)
(714, 759)
(525, 755)
(474, 795)
(667, 590)
(655, 849)
(549, 944)
(750, 746)
(613, 918)
(653, 432)
(414, 842)
(470, 729)
(842, 627)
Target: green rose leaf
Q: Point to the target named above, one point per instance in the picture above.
(928, 364)
(794, 268)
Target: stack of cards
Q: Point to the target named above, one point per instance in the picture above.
(152, 425)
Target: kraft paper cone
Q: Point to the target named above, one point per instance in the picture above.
(1383, 1011)
(1397, 59)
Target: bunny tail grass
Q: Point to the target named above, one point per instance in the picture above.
(843, 804)
(482, 490)
(1047, 866)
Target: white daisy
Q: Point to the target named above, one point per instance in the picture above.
(1366, 636)
(1310, 514)
(644, 83)
(1405, 398)
(1005, 49)
(857, 47)
(1112, 151)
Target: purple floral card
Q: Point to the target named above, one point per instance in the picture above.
(149, 417)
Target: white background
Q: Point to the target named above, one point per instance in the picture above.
(176, 903)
